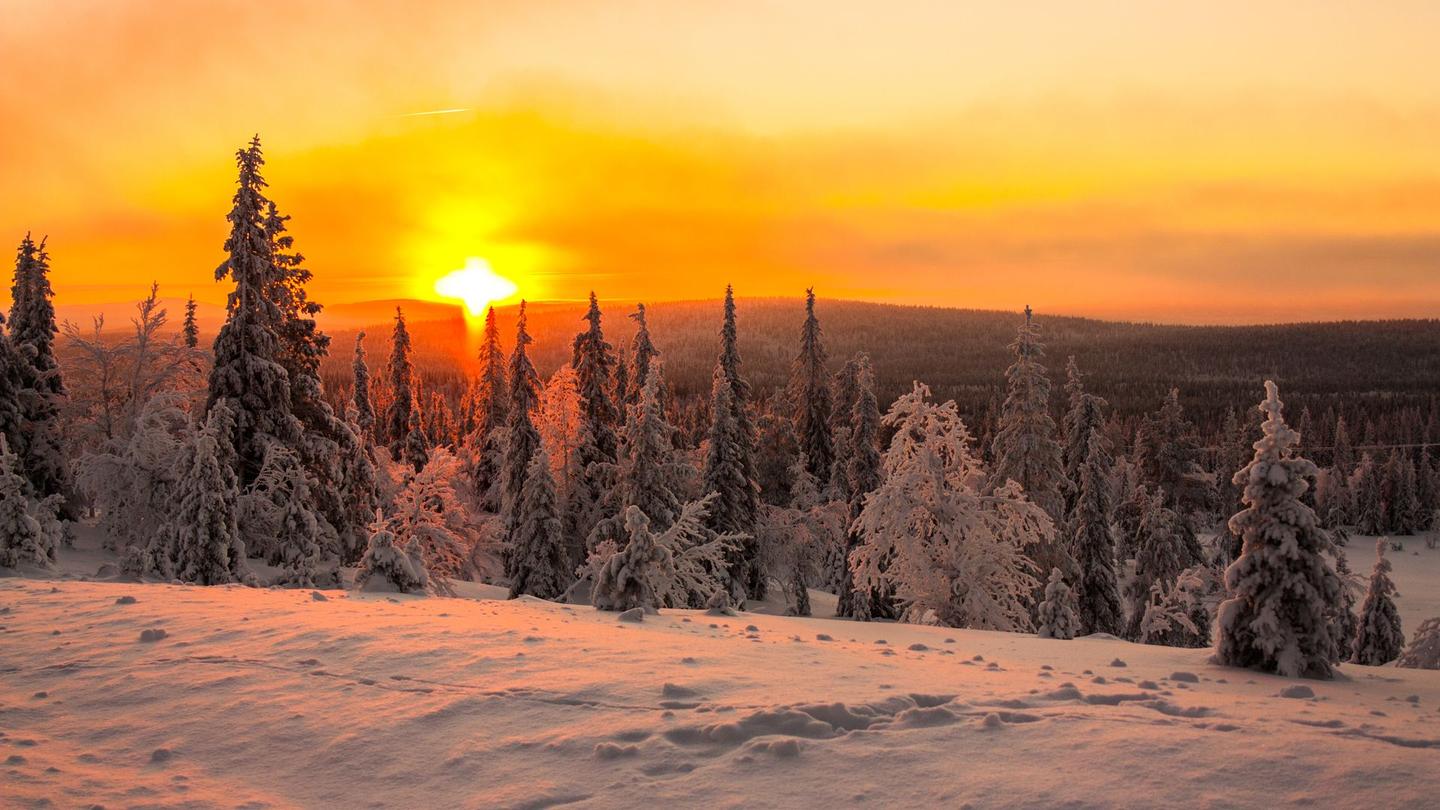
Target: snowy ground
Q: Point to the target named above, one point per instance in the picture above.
(256, 698)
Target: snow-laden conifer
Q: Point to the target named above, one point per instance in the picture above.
(1092, 546)
(486, 446)
(387, 567)
(523, 440)
(1424, 649)
(401, 374)
(1057, 614)
(1379, 638)
(203, 524)
(360, 397)
(1024, 448)
(29, 532)
(542, 563)
(729, 471)
(673, 568)
(810, 395)
(1281, 588)
(189, 329)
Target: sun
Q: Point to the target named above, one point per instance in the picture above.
(477, 284)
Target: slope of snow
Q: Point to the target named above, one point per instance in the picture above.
(255, 698)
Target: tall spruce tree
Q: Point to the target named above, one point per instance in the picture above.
(596, 457)
(642, 351)
(811, 396)
(1092, 545)
(40, 392)
(846, 385)
(205, 529)
(364, 407)
(190, 330)
(730, 464)
(1166, 448)
(1024, 448)
(1281, 589)
(865, 472)
(541, 561)
(492, 409)
(248, 373)
(1379, 639)
(524, 439)
(402, 392)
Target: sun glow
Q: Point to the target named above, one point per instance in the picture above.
(477, 284)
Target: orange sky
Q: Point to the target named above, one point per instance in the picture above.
(1229, 161)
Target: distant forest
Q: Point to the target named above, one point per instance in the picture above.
(1382, 376)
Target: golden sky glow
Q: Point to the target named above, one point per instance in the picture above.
(1218, 161)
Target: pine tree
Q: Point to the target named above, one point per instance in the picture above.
(402, 394)
(524, 439)
(1024, 449)
(1092, 545)
(247, 371)
(1379, 639)
(386, 566)
(596, 457)
(205, 530)
(542, 561)
(364, 408)
(1058, 612)
(730, 464)
(190, 331)
(1281, 589)
(811, 396)
(865, 474)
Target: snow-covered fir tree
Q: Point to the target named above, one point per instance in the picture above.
(1082, 426)
(1281, 589)
(596, 457)
(27, 536)
(203, 527)
(953, 554)
(492, 407)
(864, 474)
(1367, 486)
(189, 329)
(730, 464)
(1165, 449)
(400, 372)
(523, 440)
(1424, 649)
(1092, 546)
(1160, 556)
(810, 395)
(1177, 614)
(1058, 616)
(360, 397)
(300, 537)
(1379, 638)
(1024, 448)
(542, 563)
(40, 391)
(642, 351)
(248, 373)
(386, 566)
(1343, 622)
(846, 385)
(415, 452)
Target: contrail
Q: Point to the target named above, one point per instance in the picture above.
(436, 112)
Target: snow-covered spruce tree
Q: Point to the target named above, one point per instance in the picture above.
(810, 395)
(642, 351)
(1177, 614)
(1379, 638)
(132, 483)
(1165, 449)
(864, 474)
(649, 474)
(558, 419)
(1424, 649)
(1281, 588)
(674, 568)
(542, 561)
(1092, 546)
(12, 382)
(364, 408)
(386, 566)
(846, 385)
(486, 443)
(301, 535)
(523, 440)
(1024, 449)
(439, 422)
(402, 392)
(41, 392)
(1082, 426)
(775, 451)
(1160, 556)
(247, 371)
(203, 527)
(730, 464)
(953, 555)
(1058, 614)
(415, 452)
(27, 537)
(1343, 622)
(1366, 485)
(589, 495)
(189, 329)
